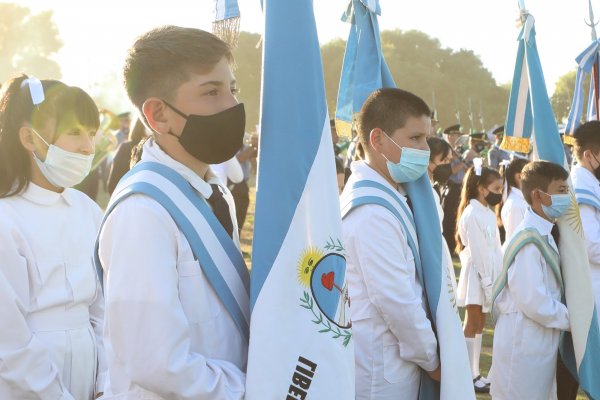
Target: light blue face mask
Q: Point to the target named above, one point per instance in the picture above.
(413, 164)
(560, 205)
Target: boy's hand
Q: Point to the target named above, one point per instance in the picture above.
(436, 374)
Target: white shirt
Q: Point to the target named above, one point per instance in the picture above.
(513, 211)
(391, 332)
(590, 219)
(51, 305)
(483, 252)
(167, 334)
(230, 169)
(531, 317)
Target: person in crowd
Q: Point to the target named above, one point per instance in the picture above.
(51, 344)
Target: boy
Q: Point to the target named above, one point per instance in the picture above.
(176, 290)
(393, 337)
(528, 310)
(587, 190)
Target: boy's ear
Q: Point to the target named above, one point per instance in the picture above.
(154, 110)
(376, 138)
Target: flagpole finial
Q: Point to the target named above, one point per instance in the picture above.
(591, 23)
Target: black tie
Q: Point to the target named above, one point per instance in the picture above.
(555, 234)
(409, 203)
(221, 209)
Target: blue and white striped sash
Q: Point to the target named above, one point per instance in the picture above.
(588, 197)
(370, 192)
(218, 256)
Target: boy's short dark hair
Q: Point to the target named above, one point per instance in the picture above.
(539, 175)
(161, 60)
(389, 109)
(587, 137)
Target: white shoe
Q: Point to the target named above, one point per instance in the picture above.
(480, 386)
(485, 380)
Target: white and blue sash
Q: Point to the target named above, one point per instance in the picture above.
(218, 256)
(370, 192)
(587, 197)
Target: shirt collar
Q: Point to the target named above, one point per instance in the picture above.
(153, 152)
(38, 195)
(542, 225)
(477, 204)
(516, 192)
(583, 177)
(362, 170)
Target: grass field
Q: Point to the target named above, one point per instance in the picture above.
(486, 351)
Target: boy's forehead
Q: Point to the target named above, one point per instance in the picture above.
(558, 184)
(221, 73)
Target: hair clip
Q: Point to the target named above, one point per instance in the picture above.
(36, 89)
(478, 165)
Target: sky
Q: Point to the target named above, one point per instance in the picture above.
(96, 34)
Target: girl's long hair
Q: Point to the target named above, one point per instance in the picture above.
(471, 183)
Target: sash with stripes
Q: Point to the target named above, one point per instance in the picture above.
(588, 197)
(518, 241)
(370, 192)
(218, 256)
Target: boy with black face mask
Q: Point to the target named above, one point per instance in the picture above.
(175, 282)
(585, 178)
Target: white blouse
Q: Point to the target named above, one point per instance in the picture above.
(513, 211)
(51, 306)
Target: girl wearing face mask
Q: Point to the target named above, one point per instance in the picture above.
(512, 210)
(51, 302)
(479, 249)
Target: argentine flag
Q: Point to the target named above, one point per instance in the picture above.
(588, 63)
(363, 72)
(300, 331)
(580, 348)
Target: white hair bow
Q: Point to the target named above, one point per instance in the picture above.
(478, 165)
(35, 89)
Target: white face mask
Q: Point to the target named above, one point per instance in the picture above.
(63, 168)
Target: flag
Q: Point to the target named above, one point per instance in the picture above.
(580, 348)
(364, 71)
(362, 62)
(300, 331)
(587, 64)
(226, 23)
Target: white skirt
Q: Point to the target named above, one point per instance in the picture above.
(469, 290)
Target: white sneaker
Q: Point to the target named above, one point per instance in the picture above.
(480, 386)
(485, 380)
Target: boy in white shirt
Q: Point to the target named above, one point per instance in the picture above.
(394, 340)
(176, 326)
(528, 309)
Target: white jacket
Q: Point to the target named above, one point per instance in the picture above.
(167, 334)
(393, 339)
(51, 305)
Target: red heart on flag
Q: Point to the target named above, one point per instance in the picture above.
(327, 280)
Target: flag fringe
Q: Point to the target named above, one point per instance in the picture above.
(228, 30)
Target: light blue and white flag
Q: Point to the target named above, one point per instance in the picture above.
(580, 349)
(300, 332)
(364, 66)
(226, 23)
(363, 72)
(587, 64)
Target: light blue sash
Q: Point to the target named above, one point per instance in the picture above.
(227, 274)
(370, 192)
(587, 197)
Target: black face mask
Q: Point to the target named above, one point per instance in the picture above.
(442, 173)
(597, 170)
(493, 198)
(216, 138)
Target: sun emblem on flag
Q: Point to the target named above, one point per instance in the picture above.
(323, 278)
(308, 260)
